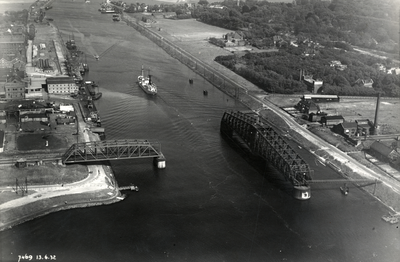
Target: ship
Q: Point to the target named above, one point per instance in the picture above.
(391, 218)
(146, 84)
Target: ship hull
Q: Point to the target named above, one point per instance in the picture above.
(149, 89)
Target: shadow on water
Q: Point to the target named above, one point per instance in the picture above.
(272, 175)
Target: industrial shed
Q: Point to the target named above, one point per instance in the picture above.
(346, 128)
(383, 152)
(34, 117)
(330, 121)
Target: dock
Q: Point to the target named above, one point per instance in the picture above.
(132, 188)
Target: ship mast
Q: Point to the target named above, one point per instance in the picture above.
(149, 78)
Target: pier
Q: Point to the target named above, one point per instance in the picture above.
(131, 188)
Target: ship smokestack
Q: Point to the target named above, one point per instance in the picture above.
(376, 122)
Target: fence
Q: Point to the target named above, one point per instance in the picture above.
(217, 79)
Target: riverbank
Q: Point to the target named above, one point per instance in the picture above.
(199, 55)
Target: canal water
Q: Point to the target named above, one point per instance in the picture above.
(212, 202)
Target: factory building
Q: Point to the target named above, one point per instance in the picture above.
(61, 85)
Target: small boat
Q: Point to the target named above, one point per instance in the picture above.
(344, 189)
(122, 197)
(391, 218)
(146, 84)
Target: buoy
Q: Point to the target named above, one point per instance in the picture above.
(205, 92)
(190, 81)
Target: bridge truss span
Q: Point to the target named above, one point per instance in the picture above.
(265, 142)
(111, 150)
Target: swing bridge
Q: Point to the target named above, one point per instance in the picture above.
(263, 140)
(107, 150)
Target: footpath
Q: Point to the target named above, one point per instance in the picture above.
(388, 191)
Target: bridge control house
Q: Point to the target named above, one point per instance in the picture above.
(61, 85)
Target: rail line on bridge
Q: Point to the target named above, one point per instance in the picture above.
(113, 150)
(264, 141)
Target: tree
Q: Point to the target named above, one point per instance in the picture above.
(245, 9)
(203, 2)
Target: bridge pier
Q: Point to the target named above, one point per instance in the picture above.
(302, 192)
(159, 162)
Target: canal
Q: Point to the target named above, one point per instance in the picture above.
(212, 202)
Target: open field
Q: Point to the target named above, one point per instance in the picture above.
(355, 109)
(47, 174)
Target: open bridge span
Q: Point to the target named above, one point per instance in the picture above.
(112, 150)
(265, 142)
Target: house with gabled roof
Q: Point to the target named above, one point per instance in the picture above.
(346, 129)
(234, 38)
(15, 87)
(367, 82)
(330, 121)
(383, 152)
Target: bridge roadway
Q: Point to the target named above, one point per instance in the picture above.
(264, 141)
(112, 150)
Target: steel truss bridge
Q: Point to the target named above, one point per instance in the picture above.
(112, 150)
(264, 141)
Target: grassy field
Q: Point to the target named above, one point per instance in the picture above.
(355, 109)
(47, 174)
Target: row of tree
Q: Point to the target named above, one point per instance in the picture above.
(282, 71)
(366, 23)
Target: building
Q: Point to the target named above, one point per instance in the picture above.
(321, 98)
(337, 65)
(394, 71)
(313, 84)
(346, 129)
(313, 117)
(14, 88)
(234, 39)
(364, 82)
(383, 152)
(34, 117)
(364, 127)
(2, 137)
(35, 86)
(307, 107)
(3, 119)
(9, 43)
(61, 85)
(330, 121)
(65, 120)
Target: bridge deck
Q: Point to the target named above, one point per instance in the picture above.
(111, 150)
(264, 141)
